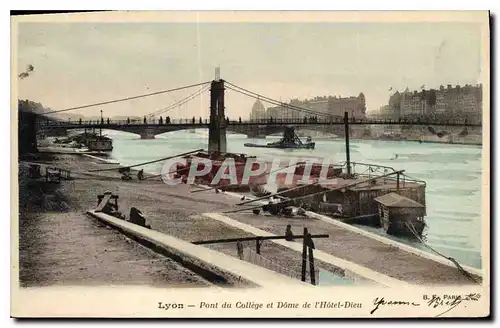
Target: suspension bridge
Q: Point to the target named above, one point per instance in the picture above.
(219, 123)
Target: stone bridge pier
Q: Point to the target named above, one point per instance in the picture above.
(148, 133)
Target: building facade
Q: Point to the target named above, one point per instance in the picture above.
(331, 105)
(459, 100)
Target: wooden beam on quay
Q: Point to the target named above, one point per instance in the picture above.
(232, 240)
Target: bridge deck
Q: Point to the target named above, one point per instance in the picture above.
(188, 123)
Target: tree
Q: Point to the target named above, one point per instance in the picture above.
(27, 125)
(167, 120)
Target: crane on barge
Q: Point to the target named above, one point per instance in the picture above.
(290, 140)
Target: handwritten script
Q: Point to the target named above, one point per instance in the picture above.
(378, 302)
(449, 302)
(445, 301)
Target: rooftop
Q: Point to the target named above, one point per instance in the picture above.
(395, 200)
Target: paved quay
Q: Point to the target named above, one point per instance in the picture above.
(362, 250)
(252, 274)
(71, 249)
(59, 245)
(352, 270)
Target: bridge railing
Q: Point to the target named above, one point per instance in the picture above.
(268, 121)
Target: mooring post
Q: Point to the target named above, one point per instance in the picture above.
(397, 182)
(311, 266)
(304, 255)
(257, 245)
(239, 248)
(347, 150)
(310, 246)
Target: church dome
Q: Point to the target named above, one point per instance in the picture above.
(258, 110)
(258, 106)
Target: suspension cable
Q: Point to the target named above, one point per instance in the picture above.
(273, 101)
(180, 102)
(125, 99)
(281, 104)
(278, 103)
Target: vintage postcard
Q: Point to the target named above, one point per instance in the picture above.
(251, 164)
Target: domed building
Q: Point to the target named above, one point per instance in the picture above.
(361, 108)
(258, 111)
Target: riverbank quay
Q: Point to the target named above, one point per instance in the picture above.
(418, 266)
(240, 273)
(168, 209)
(172, 210)
(60, 246)
(175, 211)
(363, 250)
(475, 140)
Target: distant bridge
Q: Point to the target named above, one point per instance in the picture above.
(218, 123)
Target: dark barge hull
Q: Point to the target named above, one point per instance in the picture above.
(282, 146)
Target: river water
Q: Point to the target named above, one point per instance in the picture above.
(452, 174)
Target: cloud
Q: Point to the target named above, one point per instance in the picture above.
(91, 62)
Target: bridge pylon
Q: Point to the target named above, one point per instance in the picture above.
(217, 127)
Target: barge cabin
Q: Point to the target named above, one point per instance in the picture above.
(400, 215)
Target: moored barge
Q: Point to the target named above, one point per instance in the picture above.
(290, 140)
(356, 198)
(99, 143)
(311, 171)
(401, 215)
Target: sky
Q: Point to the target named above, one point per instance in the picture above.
(82, 63)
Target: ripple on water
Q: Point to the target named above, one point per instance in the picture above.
(453, 192)
(451, 218)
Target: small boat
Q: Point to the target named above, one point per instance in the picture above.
(281, 145)
(290, 140)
